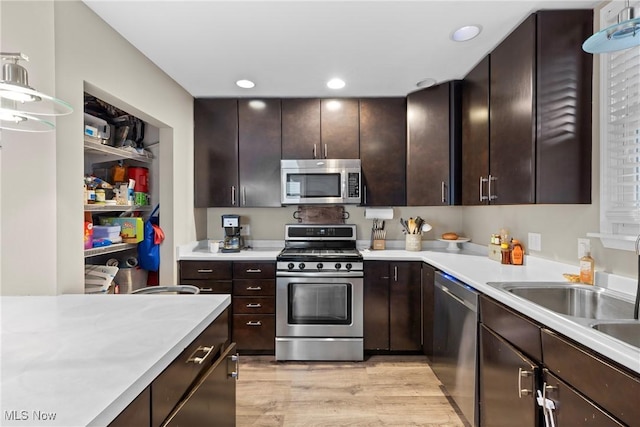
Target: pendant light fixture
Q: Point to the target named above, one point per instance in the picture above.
(623, 35)
(21, 106)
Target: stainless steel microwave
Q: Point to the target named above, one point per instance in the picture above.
(320, 181)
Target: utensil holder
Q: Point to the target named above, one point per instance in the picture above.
(413, 242)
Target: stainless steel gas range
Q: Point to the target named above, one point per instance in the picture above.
(319, 294)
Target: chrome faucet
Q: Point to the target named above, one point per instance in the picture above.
(637, 305)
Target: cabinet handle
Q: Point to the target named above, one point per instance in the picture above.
(206, 289)
(492, 196)
(233, 195)
(244, 196)
(205, 270)
(254, 288)
(252, 323)
(442, 195)
(523, 391)
(251, 305)
(365, 194)
(254, 270)
(395, 273)
(326, 152)
(314, 151)
(482, 196)
(200, 360)
(235, 358)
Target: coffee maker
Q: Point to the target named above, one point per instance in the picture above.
(232, 240)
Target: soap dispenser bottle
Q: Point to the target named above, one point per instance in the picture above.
(587, 265)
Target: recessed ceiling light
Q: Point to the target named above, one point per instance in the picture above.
(245, 84)
(465, 33)
(335, 84)
(426, 82)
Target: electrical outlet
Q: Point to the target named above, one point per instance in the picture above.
(245, 230)
(584, 246)
(535, 241)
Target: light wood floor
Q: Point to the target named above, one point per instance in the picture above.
(381, 391)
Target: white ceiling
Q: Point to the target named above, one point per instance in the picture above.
(292, 48)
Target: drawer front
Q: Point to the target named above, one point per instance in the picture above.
(173, 382)
(605, 384)
(254, 305)
(520, 332)
(251, 270)
(206, 270)
(261, 287)
(573, 409)
(254, 332)
(210, 286)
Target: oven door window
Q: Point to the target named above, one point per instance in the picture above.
(309, 185)
(320, 303)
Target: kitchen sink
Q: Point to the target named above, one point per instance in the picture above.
(627, 331)
(583, 301)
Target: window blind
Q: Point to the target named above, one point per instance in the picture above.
(620, 142)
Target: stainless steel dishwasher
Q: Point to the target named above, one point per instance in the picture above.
(455, 335)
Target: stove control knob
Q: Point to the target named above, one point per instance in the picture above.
(348, 266)
(290, 266)
(338, 266)
(319, 266)
(301, 266)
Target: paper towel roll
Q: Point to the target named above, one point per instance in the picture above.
(378, 213)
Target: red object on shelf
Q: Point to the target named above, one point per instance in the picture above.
(141, 176)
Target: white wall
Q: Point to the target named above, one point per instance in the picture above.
(77, 51)
(28, 183)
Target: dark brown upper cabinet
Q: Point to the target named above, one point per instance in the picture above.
(383, 147)
(259, 137)
(527, 115)
(320, 128)
(236, 152)
(300, 128)
(434, 150)
(339, 129)
(215, 152)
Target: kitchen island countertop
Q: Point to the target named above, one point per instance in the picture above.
(77, 360)
(472, 266)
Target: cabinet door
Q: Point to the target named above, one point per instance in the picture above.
(405, 316)
(507, 384)
(339, 129)
(259, 140)
(428, 159)
(572, 408)
(138, 413)
(383, 150)
(212, 399)
(563, 89)
(475, 134)
(376, 305)
(428, 280)
(512, 130)
(300, 128)
(215, 150)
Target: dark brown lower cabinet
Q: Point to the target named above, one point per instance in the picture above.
(508, 382)
(138, 413)
(191, 366)
(392, 306)
(571, 407)
(212, 400)
(428, 283)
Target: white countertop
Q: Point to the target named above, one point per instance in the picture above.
(472, 266)
(83, 358)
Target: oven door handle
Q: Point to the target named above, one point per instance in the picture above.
(327, 274)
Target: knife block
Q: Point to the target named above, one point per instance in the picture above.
(378, 245)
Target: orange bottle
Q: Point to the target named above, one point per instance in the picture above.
(517, 253)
